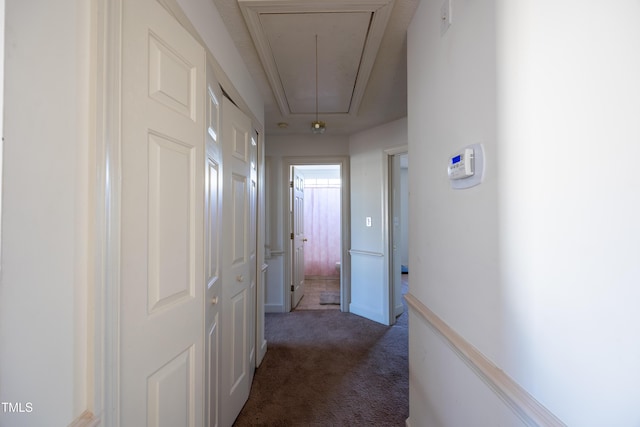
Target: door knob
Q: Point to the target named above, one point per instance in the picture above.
(214, 300)
(240, 278)
(304, 240)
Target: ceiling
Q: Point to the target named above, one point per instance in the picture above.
(361, 60)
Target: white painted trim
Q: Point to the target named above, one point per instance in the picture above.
(261, 226)
(381, 10)
(395, 307)
(2, 25)
(365, 253)
(345, 225)
(402, 149)
(525, 406)
(273, 308)
(86, 419)
(261, 309)
(106, 296)
(262, 351)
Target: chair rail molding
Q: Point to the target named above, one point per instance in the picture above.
(525, 406)
(365, 253)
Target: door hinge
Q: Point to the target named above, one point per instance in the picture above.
(291, 236)
(291, 184)
(292, 288)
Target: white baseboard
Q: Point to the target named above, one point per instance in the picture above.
(261, 352)
(525, 406)
(273, 308)
(86, 419)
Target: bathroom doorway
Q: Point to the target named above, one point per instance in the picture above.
(344, 239)
(322, 237)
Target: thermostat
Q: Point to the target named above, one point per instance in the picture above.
(466, 167)
(461, 164)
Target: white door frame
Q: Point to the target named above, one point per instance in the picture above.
(105, 399)
(2, 19)
(345, 227)
(388, 240)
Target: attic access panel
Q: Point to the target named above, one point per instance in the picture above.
(341, 39)
(349, 35)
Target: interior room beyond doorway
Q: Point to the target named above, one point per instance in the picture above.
(322, 234)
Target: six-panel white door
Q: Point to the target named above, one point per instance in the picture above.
(162, 280)
(297, 237)
(238, 283)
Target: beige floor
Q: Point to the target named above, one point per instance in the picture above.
(315, 286)
(312, 290)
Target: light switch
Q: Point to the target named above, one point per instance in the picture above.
(368, 221)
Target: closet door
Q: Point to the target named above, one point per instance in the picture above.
(238, 283)
(162, 281)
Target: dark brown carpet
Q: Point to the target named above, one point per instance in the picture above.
(328, 368)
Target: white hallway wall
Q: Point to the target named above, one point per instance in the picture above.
(366, 150)
(277, 147)
(369, 274)
(46, 255)
(547, 284)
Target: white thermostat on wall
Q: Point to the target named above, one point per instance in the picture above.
(461, 164)
(466, 167)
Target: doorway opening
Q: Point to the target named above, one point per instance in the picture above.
(398, 209)
(316, 274)
(322, 236)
